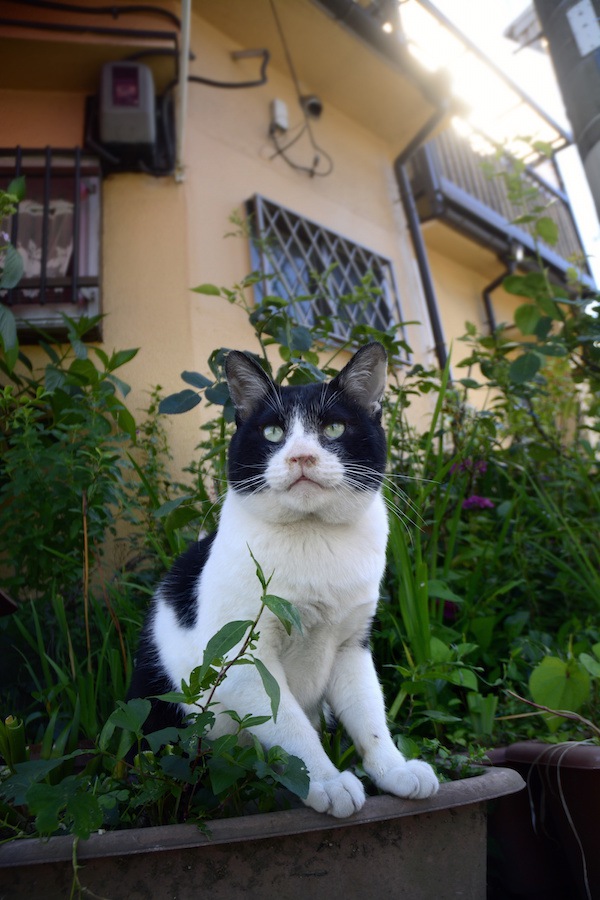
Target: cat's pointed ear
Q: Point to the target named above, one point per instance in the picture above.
(248, 383)
(364, 377)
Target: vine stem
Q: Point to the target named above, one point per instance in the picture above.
(86, 580)
(206, 705)
(564, 713)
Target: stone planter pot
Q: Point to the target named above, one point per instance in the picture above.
(547, 836)
(409, 850)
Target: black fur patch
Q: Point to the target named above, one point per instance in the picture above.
(179, 591)
(149, 680)
(179, 587)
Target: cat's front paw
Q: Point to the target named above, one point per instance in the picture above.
(413, 780)
(340, 796)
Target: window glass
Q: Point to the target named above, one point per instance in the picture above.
(320, 272)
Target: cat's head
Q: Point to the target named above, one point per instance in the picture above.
(316, 450)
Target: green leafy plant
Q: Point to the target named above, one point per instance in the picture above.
(177, 774)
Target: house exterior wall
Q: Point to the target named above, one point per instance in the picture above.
(161, 238)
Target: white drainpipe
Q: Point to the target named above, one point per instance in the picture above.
(182, 90)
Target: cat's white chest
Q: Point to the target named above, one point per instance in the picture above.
(324, 569)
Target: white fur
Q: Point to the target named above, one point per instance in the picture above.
(324, 543)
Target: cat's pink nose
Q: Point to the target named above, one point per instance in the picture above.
(302, 460)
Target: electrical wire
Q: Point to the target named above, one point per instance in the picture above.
(115, 10)
(280, 151)
(200, 79)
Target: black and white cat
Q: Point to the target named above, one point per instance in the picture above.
(305, 472)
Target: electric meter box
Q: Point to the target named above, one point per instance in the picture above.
(127, 106)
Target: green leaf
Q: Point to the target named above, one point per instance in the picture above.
(527, 318)
(592, 665)
(120, 357)
(547, 229)
(179, 403)
(8, 331)
(270, 685)
(170, 505)
(289, 771)
(131, 715)
(158, 739)
(300, 338)
(531, 285)
(217, 393)
(127, 423)
(264, 581)
(441, 591)
(17, 187)
(524, 368)
(121, 385)
(223, 773)
(46, 802)
(196, 380)
(27, 773)
(222, 642)
(559, 685)
(550, 308)
(552, 349)
(210, 289)
(86, 814)
(285, 611)
(12, 271)
(463, 677)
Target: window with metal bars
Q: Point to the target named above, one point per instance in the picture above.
(319, 272)
(56, 231)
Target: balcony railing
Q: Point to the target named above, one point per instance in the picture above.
(450, 183)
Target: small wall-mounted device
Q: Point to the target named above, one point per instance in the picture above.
(279, 115)
(127, 116)
(127, 126)
(312, 105)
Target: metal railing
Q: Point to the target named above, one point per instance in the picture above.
(319, 272)
(450, 181)
(56, 230)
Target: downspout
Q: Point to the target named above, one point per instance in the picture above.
(414, 227)
(487, 299)
(510, 266)
(182, 89)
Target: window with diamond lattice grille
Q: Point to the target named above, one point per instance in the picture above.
(320, 272)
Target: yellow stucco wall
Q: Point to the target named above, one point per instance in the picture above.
(160, 238)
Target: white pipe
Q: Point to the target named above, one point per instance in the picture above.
(182, 90)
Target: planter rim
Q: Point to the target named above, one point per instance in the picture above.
(492, 783)
(566, 755)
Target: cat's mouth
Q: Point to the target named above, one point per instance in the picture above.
(304, 479)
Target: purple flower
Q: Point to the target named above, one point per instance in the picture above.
(476, 502)
(476, 466)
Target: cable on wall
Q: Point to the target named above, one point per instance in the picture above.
(280, 148)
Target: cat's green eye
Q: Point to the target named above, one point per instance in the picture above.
(334, 430)
(273, 433)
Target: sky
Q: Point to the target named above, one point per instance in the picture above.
(484, 22)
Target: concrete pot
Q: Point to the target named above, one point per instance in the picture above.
(409, 850)
(547, 836)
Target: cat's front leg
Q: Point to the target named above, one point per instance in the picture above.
(357, 700)
(339, 794)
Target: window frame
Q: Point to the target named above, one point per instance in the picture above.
(309, 246)
(77, 292)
